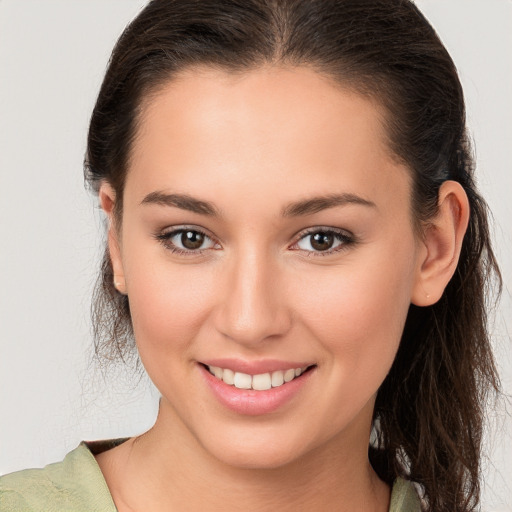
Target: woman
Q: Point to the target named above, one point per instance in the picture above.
(298, 248)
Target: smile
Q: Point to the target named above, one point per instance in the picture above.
(256, 387)
(259, 382)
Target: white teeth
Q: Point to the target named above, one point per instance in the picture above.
(260, 382)
(242, 381)
(289, 375)
(228, 376)
(277, 379)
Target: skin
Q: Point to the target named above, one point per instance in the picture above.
(251, 145)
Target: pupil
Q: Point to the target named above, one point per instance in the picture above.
(322, 241)
(192, 239)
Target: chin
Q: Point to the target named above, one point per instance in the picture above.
(256, 451)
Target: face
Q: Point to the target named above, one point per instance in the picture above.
(266, 232)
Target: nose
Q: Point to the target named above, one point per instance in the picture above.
(253, 306)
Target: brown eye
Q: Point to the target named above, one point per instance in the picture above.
(322, 241)
(192, 240)
(186, 241)
(325, 241)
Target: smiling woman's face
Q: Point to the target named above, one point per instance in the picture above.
(266, 229)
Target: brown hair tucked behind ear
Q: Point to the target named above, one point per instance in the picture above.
(429, 410)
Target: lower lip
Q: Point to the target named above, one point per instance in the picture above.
(251, 402)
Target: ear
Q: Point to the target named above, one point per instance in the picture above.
(107, 197)
(441, 244)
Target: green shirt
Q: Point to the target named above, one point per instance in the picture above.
(76, 484)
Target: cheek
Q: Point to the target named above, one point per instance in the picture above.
(169, 304)
(358, 310)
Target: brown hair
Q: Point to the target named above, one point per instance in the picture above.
(429, 410)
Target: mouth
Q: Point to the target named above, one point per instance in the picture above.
(256, 387)
(258, 382)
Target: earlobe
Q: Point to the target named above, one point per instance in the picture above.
(442, 244)
(107, 197)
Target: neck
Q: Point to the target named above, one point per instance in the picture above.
(171, 470)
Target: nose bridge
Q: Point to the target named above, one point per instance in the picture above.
(252, 308)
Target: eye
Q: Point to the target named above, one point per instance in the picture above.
(324, 241)
(185, 240)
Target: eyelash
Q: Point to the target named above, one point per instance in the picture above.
(165, 239)
(345, 238)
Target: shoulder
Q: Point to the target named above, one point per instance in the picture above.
(76, 483)
(404, 497)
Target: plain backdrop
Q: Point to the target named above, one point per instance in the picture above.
(53, 55)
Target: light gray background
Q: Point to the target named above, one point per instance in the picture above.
(52, 57)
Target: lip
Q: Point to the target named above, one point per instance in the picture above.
(248, 401)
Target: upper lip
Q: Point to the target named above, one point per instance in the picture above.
(255, 367)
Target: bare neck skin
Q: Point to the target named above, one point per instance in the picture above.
(167, 469)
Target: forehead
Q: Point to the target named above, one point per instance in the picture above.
(209, 128)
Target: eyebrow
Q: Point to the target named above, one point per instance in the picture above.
(296, 209)
(317, 204)
(183, 201)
